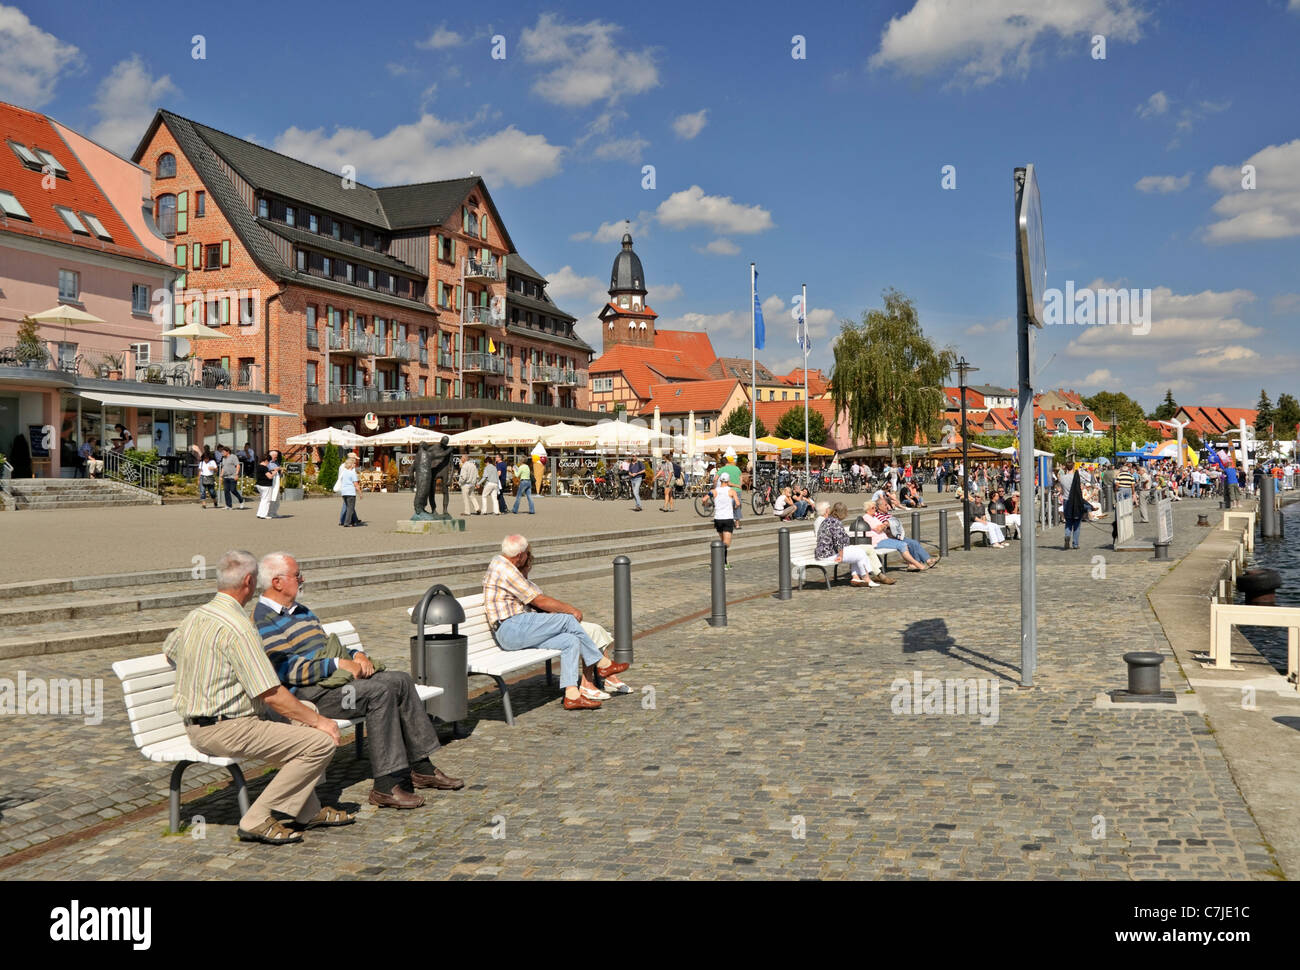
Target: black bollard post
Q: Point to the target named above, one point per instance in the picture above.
(943, 532)
(783, 564)
(622, 610)
(719, 583)
(916, 526)
(1268, 525)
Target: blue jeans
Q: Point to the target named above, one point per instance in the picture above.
(1072, 532)
(801, 508)
(230, 490)
(554, 631)
(636, 489)
(525, 490)
(914, 548)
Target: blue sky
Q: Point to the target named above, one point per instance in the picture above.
(825, 170)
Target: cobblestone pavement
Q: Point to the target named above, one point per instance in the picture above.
(772, 749)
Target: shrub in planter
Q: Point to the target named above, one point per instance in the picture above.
(329, 467)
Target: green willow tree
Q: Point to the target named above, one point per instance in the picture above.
(791, 425)
(888, 376)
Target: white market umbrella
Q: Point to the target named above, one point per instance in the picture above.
(196, 331)
(410, 435)
(733, 441)
(65, 315)
(620, 434)
(1013, 450)
(330, 436)
(507, 434)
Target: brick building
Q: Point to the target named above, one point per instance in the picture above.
(346, 299)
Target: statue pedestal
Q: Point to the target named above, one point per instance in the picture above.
(425, 524)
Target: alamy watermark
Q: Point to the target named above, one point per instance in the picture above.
(950, 696)
(1085, 307)
(55, 695)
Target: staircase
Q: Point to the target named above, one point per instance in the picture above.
(74, 493)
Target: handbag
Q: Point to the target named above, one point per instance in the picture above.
(338, 485)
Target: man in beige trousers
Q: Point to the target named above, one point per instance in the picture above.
(221, 670)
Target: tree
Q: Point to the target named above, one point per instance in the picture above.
(1264, 417)
(738, 423)
(1105, 403)
(1168, 408)
(888, 376)
(1286, 415)
(330, 461)
(791, 425)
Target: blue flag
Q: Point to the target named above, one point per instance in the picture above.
(758, 323)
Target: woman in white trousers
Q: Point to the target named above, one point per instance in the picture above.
(268, 477)
(491, 482)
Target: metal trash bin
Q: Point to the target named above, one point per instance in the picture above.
(440, 659)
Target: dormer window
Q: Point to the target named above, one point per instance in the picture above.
(166, 166)
(71, 221)
(26, 156)
(53, 163)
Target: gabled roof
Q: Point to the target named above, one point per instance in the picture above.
(738, 367)
(77, 192)
(516, 264)
(427, 204)
(693, 345)
(697, 396)
(328, 244)
(1072, 417)
(817, 381)
(609, 310)
(990, 390)
(770, 412)
(974, 399)
(643, 367)
(998, 419)
(1216, 420)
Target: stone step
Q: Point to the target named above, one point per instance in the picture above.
(37, 505)
(95, 633)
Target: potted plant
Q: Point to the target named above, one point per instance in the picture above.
(292, 490)
(110, 366)
(30, 349)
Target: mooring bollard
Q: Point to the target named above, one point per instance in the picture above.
(916, 526)
(1268, 517)
(1203, 519)
(719, 583)
(622, 610)
(783, 564)
(1259, 586)
(943, 532)
(1143, 672)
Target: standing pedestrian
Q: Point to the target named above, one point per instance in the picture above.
(502, 481)
(265, 477)
(665, 477)
(468, 479)
(1070, 482)
(230, 468)
(524, 486)
(346, 486)
(491, 482)
(636, 469)
(207, 477)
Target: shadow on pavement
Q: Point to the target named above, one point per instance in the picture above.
(932, 636)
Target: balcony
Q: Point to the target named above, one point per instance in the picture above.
(479, 316)
(389, 348)
(357, 394)
(542, 374)
(489, 364)
(566, 378)
(489, 271)
(447, 359)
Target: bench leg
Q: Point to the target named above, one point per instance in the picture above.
(505, 698)
(174, 797)
(241, 788)
(550, 674)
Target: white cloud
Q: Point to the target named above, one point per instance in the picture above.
(1163, 184)
(440, 39)
(427, 149)
(1157, 104)
(612, 232)
(691, 207)
(1179, 322)
(126, 102)
(1271, 210)
(1192, 115)
(733, 326)
(1222, 362)
(32, 61)
(586, 64)
(397, 70)
(581, 295)
(720, 247)
(986, 39)
(1098, 377)
(626, 149)
(663, 294)
(690, 125)
(982, 329)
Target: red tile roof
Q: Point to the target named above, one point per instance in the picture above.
(770, 412)
(974, 399)
(817, 381)
(694, 346)
(1073, 418)
(1214, 420)
(702, 397)
(77, 192)
(642, 367)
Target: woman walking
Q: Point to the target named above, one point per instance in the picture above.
(265, 478)
(491, 482)
(347, 487)
(207, 477)
(665, 478)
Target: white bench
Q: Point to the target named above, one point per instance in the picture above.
(148, 684)
(802, 557)
(487, 659)
(1224, 616)
(1230, 514)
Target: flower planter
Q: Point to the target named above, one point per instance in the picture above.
(291, 495)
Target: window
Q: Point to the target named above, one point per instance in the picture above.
(196, 254)
(326, 265)
(311, 317)
(165, 217)
(311, 373)
(783, 395)
(313, 224)
(69, 284)
(246, 318)
(96, 226)
(200, 204)
(482, 227)
(139, 298)
(370, 278)
(302, 261)
(350, 271)
(290, 216)
(392, 284)
(12, 207)
(213, 313)
(71, 221)
(336, 229)
(182, 255)
(263, 209)
(140, 352)
(166, 166)
(26, 156)
(356, 236)
(602, 384)
(53, 163)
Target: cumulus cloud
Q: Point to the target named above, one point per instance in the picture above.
(32, 61)
(1157, 104)
(585, 63)
(427, 149)
(1179, 321)
(612, 232)
(581, 295)
(1234, 359)
(690, 125)
(1098, 377)
(691, 208)
(1271, 210)
(441, 39)
(982, 329)
(126, 102)
(982, 41)
(719, 247)
(1163, 184)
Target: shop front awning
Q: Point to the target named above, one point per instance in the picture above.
(131, 400)
(190, 404)
(182, 404)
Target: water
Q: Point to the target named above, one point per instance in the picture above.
(1283, 555)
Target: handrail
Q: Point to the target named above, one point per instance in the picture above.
(133, 472)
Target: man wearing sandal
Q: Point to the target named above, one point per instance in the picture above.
(221, 671)
(341, 684)
(522, 618)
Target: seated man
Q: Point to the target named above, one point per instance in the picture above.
(910, 497)
(317, 669)
(913, 553)
(522, 618)
(834, 543)
(979, 522)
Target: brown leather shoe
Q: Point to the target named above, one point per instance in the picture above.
(883, 579)
(400, 798)
(612, 670)
(580, 703)
(436, 780)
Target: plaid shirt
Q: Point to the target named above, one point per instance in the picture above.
(506, 592)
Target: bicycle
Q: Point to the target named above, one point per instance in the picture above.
(764, 497)
(704, 505)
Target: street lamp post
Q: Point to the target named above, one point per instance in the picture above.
(964, 368)
(1114, 441)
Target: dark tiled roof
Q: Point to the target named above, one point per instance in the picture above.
(362, 292)
(532, 303)
(516, 264)
(328, 244)
(426, 203)
(738, 368)
(576, 342)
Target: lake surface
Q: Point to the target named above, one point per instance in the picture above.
(1283, 555)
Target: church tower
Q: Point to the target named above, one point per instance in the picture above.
(626, 319)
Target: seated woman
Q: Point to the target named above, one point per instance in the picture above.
(909, 496)
(979, 522)
(1012, 505)
(834, 543)
(783, 508)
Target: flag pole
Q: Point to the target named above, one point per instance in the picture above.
(803, 333)
(753, 373)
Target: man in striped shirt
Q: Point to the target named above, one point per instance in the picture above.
(1124, 481)
(402, 737)
(222, 677)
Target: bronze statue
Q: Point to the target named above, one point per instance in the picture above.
(431, 462)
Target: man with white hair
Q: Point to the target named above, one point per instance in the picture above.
(468, 479)
(222, 677)
(521, 617)
(347, 684)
